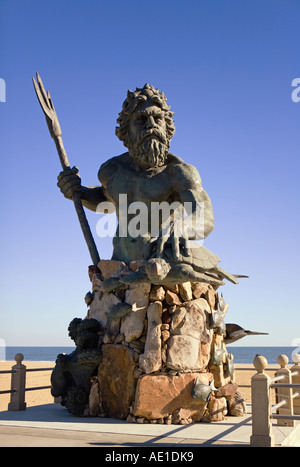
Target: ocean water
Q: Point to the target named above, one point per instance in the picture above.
(247, 354)
(36, 354)
(240, 354)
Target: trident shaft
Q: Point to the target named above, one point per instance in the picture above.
(55, 132)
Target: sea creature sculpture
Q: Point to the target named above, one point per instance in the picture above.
(110, 284)
(119, 310)
(229, 367)
(202, 390)
(200, 266)
(218, 315)
(234, 332)
(217, 355)
(89, 297)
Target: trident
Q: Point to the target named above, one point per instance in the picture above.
(55, 133)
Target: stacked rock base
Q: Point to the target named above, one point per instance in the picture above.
(155, 344)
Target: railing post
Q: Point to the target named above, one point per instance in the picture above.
(262, 435)
(284, 393)
(18, 378)
(296, 380)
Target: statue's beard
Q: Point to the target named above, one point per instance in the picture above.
(150, 151)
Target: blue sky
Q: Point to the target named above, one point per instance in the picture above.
(226, 68)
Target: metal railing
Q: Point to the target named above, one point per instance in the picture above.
(286, 411)
(18, 383)
(239, 368)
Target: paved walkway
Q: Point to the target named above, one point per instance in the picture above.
(52, 426)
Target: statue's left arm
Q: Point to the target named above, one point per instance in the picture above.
(196, 202)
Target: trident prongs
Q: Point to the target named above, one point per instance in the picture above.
(41, 95)
(47, 107)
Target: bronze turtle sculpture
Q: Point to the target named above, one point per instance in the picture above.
(201, 265)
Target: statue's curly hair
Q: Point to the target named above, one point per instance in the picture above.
(81, 329)
(73, 331)
(147, 93)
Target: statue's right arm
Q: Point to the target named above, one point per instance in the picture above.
(92, 196)
(69, 181)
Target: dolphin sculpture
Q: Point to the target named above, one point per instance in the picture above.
(234, 332)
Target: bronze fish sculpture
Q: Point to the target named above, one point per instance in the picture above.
(202, 390)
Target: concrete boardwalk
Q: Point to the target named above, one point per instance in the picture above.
(52, 426)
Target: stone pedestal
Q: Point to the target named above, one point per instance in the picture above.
(156, 342)
(117, 380)
(161, 396)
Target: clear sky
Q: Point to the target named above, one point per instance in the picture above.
(226, 68)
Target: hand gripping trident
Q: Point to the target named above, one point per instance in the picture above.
(55, 132)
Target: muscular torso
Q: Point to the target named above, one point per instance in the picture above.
(174, 181)
(120, 175)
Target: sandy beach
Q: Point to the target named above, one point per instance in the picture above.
(243, 375)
